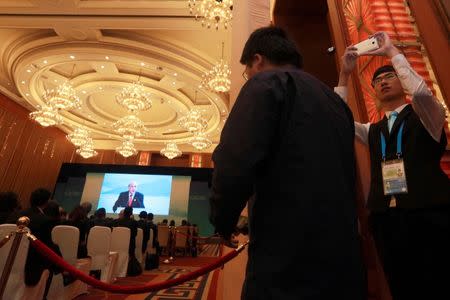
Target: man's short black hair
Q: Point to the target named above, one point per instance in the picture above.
(143, 214)
(273, 43)
(39, 197)
(381, 70)
(101, 212)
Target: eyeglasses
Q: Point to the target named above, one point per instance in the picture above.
(388, 77)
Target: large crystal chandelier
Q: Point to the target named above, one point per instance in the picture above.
(127, 148)
(171, 150)
(214, 12)
(193, 121)
(64, 97)
(87, 149)
(218, 78)
(200, 141)
(46, 116)
(130, 127)
(79, 136)
(134, 97)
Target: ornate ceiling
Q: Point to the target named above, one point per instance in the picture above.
(102, 46)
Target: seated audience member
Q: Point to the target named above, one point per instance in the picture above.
(8, 205)
(143, 224)
(172, 223)
(153, 227)
(52, 211)
(99, 219)
(127, 221)
(78, 218)
(41, 227)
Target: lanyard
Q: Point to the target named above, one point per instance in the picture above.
(399, 142)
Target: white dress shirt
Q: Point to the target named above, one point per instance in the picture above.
(427, 107)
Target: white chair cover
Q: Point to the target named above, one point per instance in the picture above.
(98, 247)
(67, 238)
(15, 287)
(139, 241)
(181, 238)
(164, 236)
(120, 242)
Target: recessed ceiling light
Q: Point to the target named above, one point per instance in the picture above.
(55, 80)
(173, 83)
(72, 57)
(23, 82)
(45, 61)
(9, 83)
(106, 57)
(84, 92)
(142, 64)
(27, 94)
(102, 67)
(100, 88)
(29, 71)
(175, 74)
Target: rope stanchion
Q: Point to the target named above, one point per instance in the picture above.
(22, 223)
(46, 252)
(6, 239)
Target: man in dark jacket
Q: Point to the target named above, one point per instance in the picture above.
(41, 227)
(289, 141)
(131, 198)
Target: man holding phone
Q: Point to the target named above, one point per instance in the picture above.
(409, 198)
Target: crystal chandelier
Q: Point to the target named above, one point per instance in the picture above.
(79, 136)
(64, 97)
(171, 150)
(134, 97)
(46, 116)
(193, 121)
(214, 12)
(126, 149)
(218, 78)
(130, 127)
(87, 149)
(200, 141)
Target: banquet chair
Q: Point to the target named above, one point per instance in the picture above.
(67, 239)
(138, 248)
(98, 247)
(120, 243)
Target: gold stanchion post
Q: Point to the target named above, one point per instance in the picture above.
(22, 224)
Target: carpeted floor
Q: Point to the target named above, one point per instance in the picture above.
(201, 288)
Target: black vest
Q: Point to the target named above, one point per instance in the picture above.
(428, 186)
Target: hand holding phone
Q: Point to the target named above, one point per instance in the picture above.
(367, 45)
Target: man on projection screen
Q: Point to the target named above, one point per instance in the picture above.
(130, 198)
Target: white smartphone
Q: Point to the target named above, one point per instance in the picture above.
(367, 45)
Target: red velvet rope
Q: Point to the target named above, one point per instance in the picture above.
(130, 289)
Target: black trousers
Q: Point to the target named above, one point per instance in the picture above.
(414, 248)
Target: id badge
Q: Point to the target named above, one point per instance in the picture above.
(394, 178)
